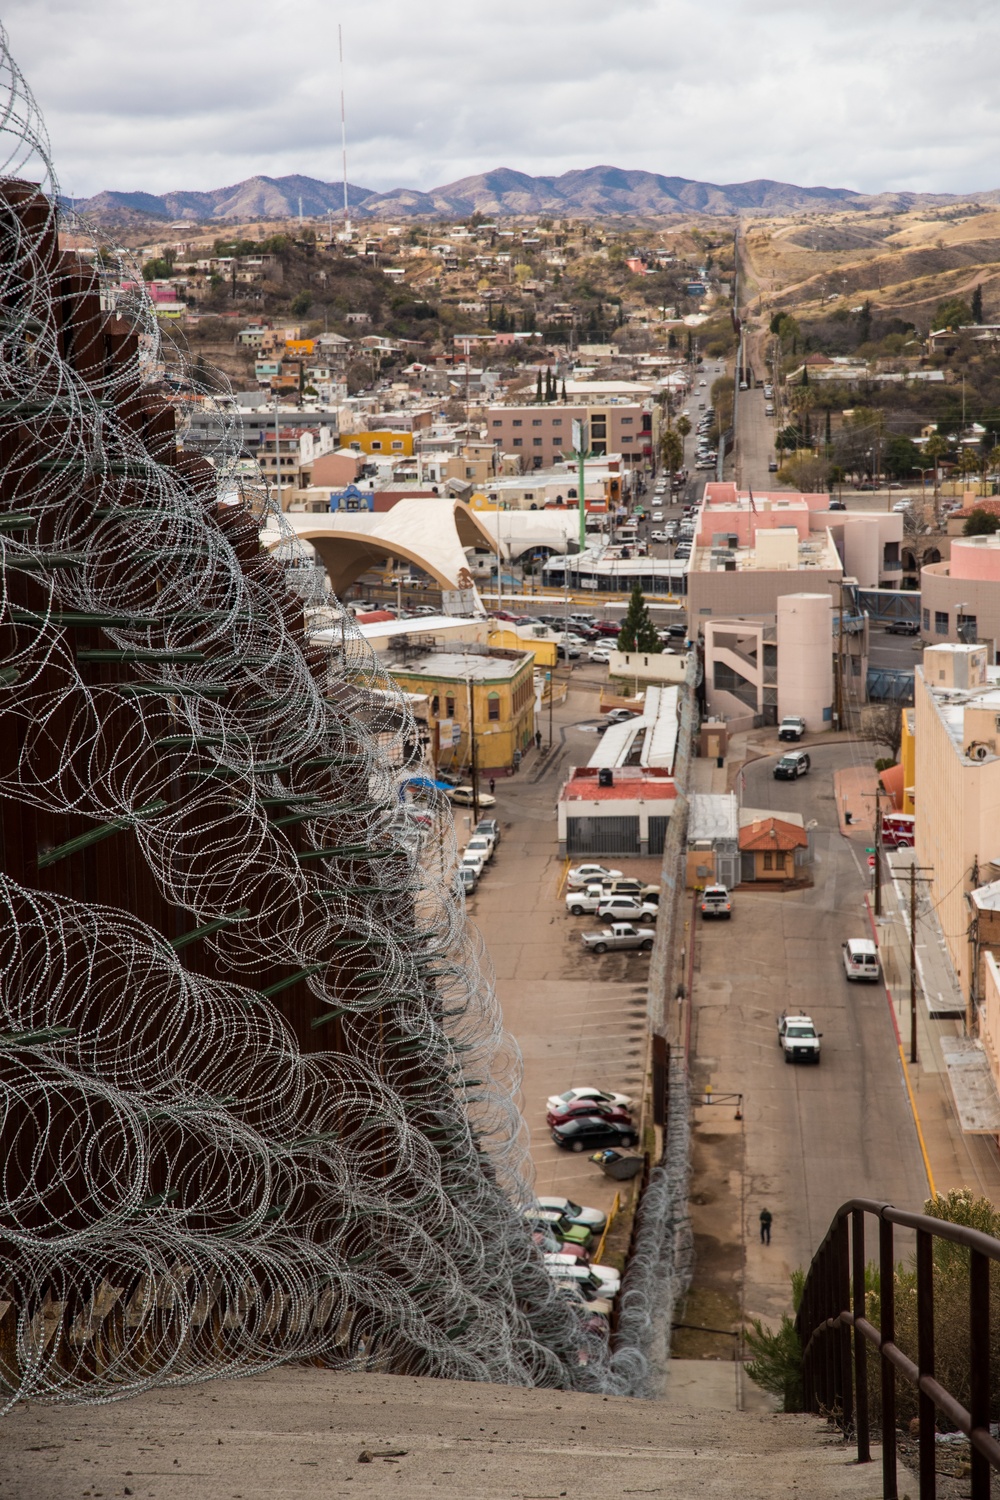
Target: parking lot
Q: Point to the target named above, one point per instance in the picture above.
(579, 1019)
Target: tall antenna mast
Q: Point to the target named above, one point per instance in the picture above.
(343, 132)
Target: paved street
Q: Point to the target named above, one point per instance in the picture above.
(813, 1136)
(754, 442)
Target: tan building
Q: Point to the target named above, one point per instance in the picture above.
(957, 789)
(543, 435)
(494, 687)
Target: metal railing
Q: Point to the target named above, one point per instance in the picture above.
(835, 1377)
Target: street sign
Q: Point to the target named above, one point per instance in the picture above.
(871, 861)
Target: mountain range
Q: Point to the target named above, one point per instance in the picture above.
(587, 192)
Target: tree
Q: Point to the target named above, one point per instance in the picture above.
(538, 388)
(977, 303)
(671, 450)
(901, 457)
(882, 724)
(638, 633)
(683, 426)
(981, 523)
(953, 314)
(301, 304)
(935, 449)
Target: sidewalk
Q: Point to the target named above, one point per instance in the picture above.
(947, 1080)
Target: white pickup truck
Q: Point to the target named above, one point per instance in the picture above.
(619, 935)
(798, 1038)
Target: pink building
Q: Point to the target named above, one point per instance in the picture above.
(960, 598)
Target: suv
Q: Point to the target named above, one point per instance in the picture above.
(792, 727)
(715, 902)
(798, 1038)
(791, 766)
(903, 627)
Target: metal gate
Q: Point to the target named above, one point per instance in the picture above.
(657, 834)
(602, 836)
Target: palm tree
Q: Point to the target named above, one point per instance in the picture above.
(936, 448)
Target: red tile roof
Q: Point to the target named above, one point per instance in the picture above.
(773, 833)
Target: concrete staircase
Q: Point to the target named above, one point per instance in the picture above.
(305, 1433)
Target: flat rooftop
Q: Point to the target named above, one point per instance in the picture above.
(476, 666)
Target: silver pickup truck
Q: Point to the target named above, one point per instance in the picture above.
(798, 1038)
(619, 935)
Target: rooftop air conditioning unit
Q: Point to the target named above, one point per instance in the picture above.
(605, 776)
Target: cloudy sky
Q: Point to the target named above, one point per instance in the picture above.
(866, 94)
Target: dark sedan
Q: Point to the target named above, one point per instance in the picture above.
(588, 1132)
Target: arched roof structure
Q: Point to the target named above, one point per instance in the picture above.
(431, 532)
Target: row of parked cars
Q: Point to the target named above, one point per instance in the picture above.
(624, 903)
(477, 854)
(567, 1234)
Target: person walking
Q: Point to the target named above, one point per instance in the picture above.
(492, 785)
(538, 739)
(765, 1226)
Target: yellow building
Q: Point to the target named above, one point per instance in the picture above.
(495, 689)
(300, 347)
(398, 444)
(907, 759)
(509, 638)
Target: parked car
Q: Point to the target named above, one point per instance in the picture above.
(607, 627)
(610, 1280)
(466, 879)
(583, 875)
(463, 797)
(590, 1286)
(547, 1242)
(574, 1234)
(860, 957)
(480, 844)
(772, 466)
(620, 715)
(798, 1038)
(903, 627)
(716, 902)
(606, 1096)
(588, 1132)
(576, 1213)
(576, 1109)
(677, 631)
(792, 727)
(600, 654)
(487, 828)
(657, 515)
(620, 935)
(658, 536)
(473, 860)
(567, 653)
(791, 766)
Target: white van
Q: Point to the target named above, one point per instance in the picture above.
(861, 959)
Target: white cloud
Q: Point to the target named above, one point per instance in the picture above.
(195, 95)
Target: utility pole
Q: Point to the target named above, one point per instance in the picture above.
(877, 872)
(277, 451)
(472, 750)
(552, 684)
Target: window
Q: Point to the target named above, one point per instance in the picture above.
(377, 445)
(774, 859)
(497, 422)
(967, 628)
(449, 707)
(518, 422)
(396, 444)
(519, 442)
(537, 461)
(493, 706)
(557, 421)
(627, 421)
(435, 705)
(529, 494)
(536, 442)
(927, 619)
(940, 622)
(536, 421)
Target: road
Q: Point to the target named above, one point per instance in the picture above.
(754, 442)
(814, 1136)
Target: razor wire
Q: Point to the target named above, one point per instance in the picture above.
(185, 1191)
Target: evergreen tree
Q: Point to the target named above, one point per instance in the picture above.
(564, 388)
(638, 633)
(538, 388)
(977, 304)
(805, 374)
(829, 439)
